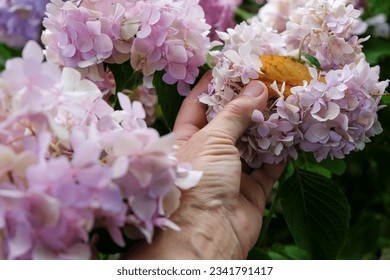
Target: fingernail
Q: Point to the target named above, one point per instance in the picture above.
(254, 89)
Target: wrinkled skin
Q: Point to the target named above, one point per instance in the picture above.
(221, 218)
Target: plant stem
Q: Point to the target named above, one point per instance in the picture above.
(267, 221)
(301, 46)
(274, 203)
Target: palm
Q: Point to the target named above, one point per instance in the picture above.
(222, 216)
(225, 199)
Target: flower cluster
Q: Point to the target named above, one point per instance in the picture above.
(225, 9)
(331, 113)
(69, 164)
(100, 76)
(276, 13)
(148, 99)
(326, 30)
(172, 37)
(155, 36)
(20, 21)
(87, 33)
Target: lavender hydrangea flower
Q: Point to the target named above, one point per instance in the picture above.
(21, 21)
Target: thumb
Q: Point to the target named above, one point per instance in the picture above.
(236, 117)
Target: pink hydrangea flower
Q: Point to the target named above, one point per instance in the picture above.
(166, 35)
(70, 163)
(81, 35)
(100, 76)
(148, 99)
(328, 117)
(219, 14)
(359, 4)
(173, 38)
(275, 13)
(328, 31)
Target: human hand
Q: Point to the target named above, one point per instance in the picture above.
(221, 218)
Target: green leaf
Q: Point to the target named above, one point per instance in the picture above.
(365, 234)
(209, 58)
(385, 99)
(168, 99)
(258, 254)
(5, 54)
(336, 166)
(325, 168)
(317, 214)
(313, 61)
(378, 6)
(125, 76)
(242, 14)
(287, 252)
(160, 124)
(105, 245)
(375, 49)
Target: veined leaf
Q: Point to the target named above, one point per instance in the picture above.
(385, 99)
(375, 49)
(365, 234)
(283, 70)
(125, 76)
(5, 54)
(287, 252)
(326, 168)
(317, 214)
(336, 166)
(168, 99)
(258, 254)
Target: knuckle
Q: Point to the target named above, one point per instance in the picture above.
(236, 108)
(219, 136)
